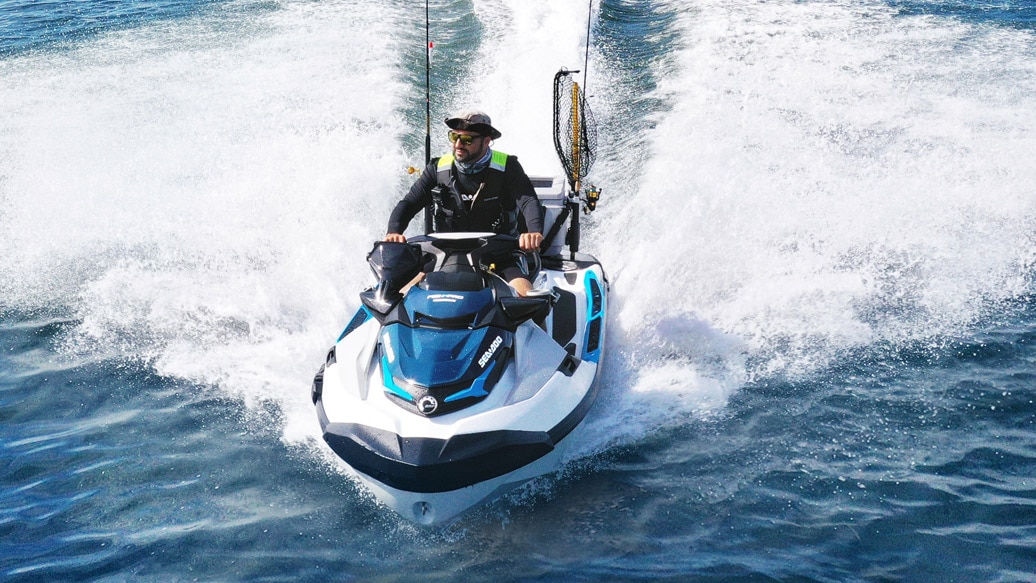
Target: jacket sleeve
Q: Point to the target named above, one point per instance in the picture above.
(419, 197)
(524, 196)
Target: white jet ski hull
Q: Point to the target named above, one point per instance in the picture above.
(431, 469)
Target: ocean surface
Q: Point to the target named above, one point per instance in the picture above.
(818, 221)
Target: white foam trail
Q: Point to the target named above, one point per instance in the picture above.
(201, 193)
(828, 177)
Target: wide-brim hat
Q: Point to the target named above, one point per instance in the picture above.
(473, 121)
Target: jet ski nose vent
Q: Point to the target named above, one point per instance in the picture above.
(424, 513)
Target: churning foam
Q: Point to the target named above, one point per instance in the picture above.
(826, 177)
(200, 194)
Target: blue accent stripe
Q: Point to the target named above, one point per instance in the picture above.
(361, 317)
(390, 383)
(477, 388)
(594, 356)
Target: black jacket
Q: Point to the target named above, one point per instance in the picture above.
(509, 193)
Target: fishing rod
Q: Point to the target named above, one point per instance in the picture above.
(428, 211)
(586, 57)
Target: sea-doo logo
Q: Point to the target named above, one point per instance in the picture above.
(427, 405)
(489, 353)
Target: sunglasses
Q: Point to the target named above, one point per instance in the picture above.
(462, 138)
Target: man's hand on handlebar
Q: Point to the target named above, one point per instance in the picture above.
(530, 241)
(395, 238)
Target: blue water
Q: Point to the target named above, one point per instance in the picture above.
(819, 222)
(44, 24)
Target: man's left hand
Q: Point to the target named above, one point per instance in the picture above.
(530, 241)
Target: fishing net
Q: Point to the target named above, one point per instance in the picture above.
(575, 130)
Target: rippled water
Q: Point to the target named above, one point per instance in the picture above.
(819, 222)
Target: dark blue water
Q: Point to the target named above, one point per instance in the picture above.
(1014, 14)
(42, 24)
(818, 223)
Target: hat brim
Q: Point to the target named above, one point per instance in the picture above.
(456, 123)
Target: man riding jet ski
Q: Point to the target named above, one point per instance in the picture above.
(477, 189)
(467, 384)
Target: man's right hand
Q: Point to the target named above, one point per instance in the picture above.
(395, 238)
(530, 241)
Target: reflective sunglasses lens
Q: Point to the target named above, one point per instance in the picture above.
(463, 139)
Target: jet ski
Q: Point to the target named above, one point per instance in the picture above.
(456, 391)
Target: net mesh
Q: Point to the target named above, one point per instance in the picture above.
(575, 130)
